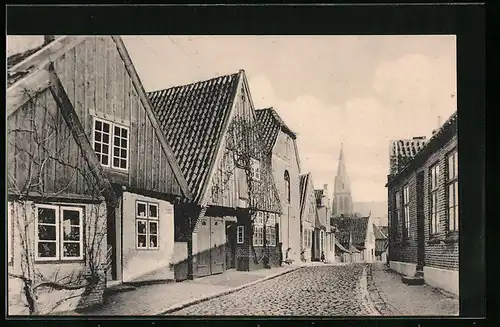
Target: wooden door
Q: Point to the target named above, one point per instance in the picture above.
(217, 242)
(230, 245)
(203, 236)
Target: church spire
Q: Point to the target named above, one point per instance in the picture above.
(342, 200)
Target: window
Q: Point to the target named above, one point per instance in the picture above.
(434, 176)
(258, 229)
(406, 207)
(398, 207)
(59, 232)
(10, 214)
(287, 186)
(271, 229)
(255, 169)
(111, 144)
(240, 232)
(147, 221)
(307, 238)
(452, 190)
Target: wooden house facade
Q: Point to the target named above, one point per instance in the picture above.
(308, 217)
(86, 157)
(212, 128)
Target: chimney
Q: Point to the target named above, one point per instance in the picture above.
(439, 122)
(48, 38)
(325, 187)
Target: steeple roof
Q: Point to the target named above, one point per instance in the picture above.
(342, 183)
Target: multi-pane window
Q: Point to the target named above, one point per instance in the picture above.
(398, 207)
(434, 186)
(59, 232)
(147, 223)
(406, 208)
(307, 238)
(452, 190)
(111, 144)
(271, 229)
(258, 229)
(240, 234)
(255, 169)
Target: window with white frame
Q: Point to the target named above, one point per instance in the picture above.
(10, 215)
(147, 225)
(258, 229)
(397, 199)
(59, 232)
(434, 187)
(240, 234)
(406, 208)
(271, 229)
(255, 169)
(111, 144)
(452, 190)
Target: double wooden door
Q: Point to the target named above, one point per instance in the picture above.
(211, 240)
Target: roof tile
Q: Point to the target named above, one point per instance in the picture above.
(193, 117)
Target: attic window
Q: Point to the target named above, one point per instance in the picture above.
(111, 144)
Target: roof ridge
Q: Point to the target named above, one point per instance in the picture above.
(193, 84)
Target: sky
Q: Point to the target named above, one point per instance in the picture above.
(362, 91)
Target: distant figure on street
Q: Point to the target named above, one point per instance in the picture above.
(322, 256)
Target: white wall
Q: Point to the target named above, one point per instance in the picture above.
(139, 264)
(442, 278)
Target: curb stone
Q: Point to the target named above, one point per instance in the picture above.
(184, 304)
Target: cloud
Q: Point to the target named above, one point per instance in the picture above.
(408, 95)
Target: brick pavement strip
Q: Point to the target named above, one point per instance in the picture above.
(326, 290)
(393, 298)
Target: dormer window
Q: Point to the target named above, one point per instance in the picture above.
(111, 144)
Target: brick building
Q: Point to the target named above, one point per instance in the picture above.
(423, 212)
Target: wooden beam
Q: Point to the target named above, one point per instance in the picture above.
(19, 92)
(71, 118)
(129, 66)
(49, 53)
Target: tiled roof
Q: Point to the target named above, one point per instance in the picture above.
(379, 235)
(351, 226)
(269, 128)
(302, 191)
(448, 128)
(380, 246)
(193, 117)
(384, 229)
(319, 196)
(341, 248)
(14, 59)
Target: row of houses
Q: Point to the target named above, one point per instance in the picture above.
(423, 208)
(110, 184)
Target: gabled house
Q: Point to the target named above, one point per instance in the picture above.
(308, 217)
(423, 206)
(356, 235)
(281, 142)
(381, 244)
(232, 222)
(326, 237)
(88, 164)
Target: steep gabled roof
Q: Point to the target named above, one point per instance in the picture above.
(379, 234)
(30, 69)
(303, 180)
(194, 118)
(271, 123)
(354, 227)
(319, 196)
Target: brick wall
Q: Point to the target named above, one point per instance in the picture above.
(440, 251)
(443, 254)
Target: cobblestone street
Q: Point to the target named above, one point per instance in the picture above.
(318, 291)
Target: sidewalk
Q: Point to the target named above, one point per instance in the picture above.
(162, 298)
(393, 298)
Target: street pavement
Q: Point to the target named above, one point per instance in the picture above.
(326, 290)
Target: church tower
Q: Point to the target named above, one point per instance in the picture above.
(342, 200)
